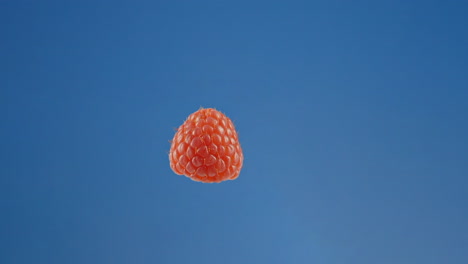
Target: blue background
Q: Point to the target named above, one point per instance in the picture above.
(352, 116)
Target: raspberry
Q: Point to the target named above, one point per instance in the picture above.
(206, 148)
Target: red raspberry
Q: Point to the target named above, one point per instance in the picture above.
(206, 148)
